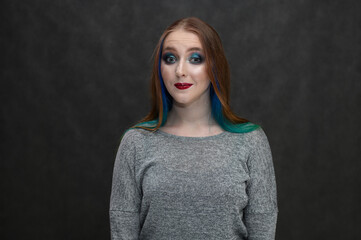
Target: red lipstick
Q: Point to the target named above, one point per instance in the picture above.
(183, 85)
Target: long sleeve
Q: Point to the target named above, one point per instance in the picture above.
(125, 196)
(260, 215)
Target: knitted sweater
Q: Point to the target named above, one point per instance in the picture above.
(175, 187)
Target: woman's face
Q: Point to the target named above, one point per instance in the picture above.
(183, 68)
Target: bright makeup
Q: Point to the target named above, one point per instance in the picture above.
(183, 86)
(195, 58)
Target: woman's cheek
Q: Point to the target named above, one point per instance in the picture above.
(197, 70)
(166, 73)
(167, 77)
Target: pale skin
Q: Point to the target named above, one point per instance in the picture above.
(183, 62)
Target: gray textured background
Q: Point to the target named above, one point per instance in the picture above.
(75, 74)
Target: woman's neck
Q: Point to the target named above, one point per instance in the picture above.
(192, 120)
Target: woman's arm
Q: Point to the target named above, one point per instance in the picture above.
(260, 215)
(125, 196)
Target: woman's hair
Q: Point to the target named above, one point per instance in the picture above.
(217, 69)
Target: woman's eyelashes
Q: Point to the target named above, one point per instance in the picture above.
(169, 58)
(195, 58)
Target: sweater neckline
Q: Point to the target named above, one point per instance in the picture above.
(192, 138)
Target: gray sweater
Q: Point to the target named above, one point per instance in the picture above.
(174, 187)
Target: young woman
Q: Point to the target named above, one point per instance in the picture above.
(192, 169)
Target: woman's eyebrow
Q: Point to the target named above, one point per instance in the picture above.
(189, 49)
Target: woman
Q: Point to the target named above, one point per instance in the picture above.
(192, 169)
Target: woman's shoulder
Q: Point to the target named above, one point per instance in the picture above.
(258, 139)
(134, 135)
(257, 134)
(252, 138)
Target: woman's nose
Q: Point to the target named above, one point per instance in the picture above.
(181, 69)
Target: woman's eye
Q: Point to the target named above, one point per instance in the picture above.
(196, 58)
(169, 58)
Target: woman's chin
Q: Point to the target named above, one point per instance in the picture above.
(182, 102)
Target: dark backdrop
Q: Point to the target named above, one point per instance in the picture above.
(75, 75)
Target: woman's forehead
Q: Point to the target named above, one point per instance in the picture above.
(182, 39)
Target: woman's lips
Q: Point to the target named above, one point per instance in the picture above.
(183, 85)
